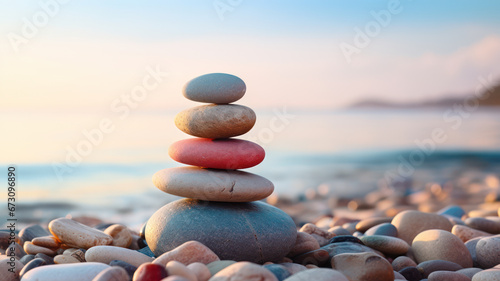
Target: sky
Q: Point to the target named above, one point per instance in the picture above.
(63, 61)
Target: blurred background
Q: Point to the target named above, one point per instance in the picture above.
(351, 97)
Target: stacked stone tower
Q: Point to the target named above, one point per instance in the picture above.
(220, 211)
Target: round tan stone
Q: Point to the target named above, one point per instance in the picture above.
(386, 244)
(33, 249)
(318, 274)
(363, 267)
(121, 235)
(244, 271)
(50, 242)
(200, 270)
(487, 275)
(213, 184)
(402, 262)
(488, 252)
(106, 254)
(77, 235)
(305, 243)
(5, 265)
(216, 121)
(466, 233)
(179, 269)
(410, 223)
(483, 224)
(436, 244)
(187, 253)
(114, 273)
(61, 259)
(448, 276)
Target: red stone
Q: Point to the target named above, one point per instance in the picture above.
(217, 153)
(150, 272)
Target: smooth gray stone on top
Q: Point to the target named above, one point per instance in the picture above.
(254, 231)
(218, 88)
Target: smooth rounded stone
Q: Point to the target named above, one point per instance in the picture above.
(410, 223)
(471, 246)
(366, 224)
(61, 259)
(16, 250)
(212, 184)
(37, 262)
(305, 243)
(411, 273)
(77, 235)
(321, 235)
(483, 224)
(26, 259)
(78, 254)
(398, 276)
(217, 266)
(32, 231)
(244, 271)
(318, 257)
(32, 249)
(63, 272)
(469, 272)
(279, 271)
(216, 121)
(217, 153)
(386, 244)
(47, 259)
(438, 244)
(350, 226)
(488, 251)
(113, 273)
(466, 233)
(363, 267)
(347, 247)
(6, 265)
(215, 88)
(487, 275)
(179, 269)
(386, 229)
(187, 253)
(254, 231)
(130, 269)
(447, 276)
(338, 230)
(106, 254)
(402, 262)
(318, 274)
(293, 268)
(452, 210)
(121, 235)
(200, 270)
(427, 267)
(47, 242)
(345, 238)
(150, 272)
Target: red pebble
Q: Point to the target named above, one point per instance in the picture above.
(150, 272)
(217, 153)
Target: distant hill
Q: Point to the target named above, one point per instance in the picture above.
(492, 100)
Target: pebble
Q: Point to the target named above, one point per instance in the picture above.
(187, 253)
(253, 231)
(218, 88)
(60, 259)
(447, 276)
(410, 223)
(17, 249)
(26, 259)
(32, 231)
(106, 254)
(484, 224)
(77, 235)
(411, 273)
(386, 229)
(150, 272)
(427, 267)
(47, 259)
(386, 244)
(212, 184)
(32, 249)
(121, 235)
(305, 243)
(84, 271)
(469, 272)
(216, 121)
(217, 266)
(321, 235)
(113, 273)
(487, 275)
(320, 257)
(347, 247)
(78, 254)
(345, 238)
(366, 224)
(5, 265)
(471, 246)
(31, 265)
(200, 270)
(452, 210)
(402, 262)
(466, 233)
(179, 269)
(439, 244)
(318, 274)
(217, 154)
(244, 271)
(130, 269)
(278, 270)
(338, 230)
(488, 251)
(47, 242)
(293, 268)
(363, 266)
